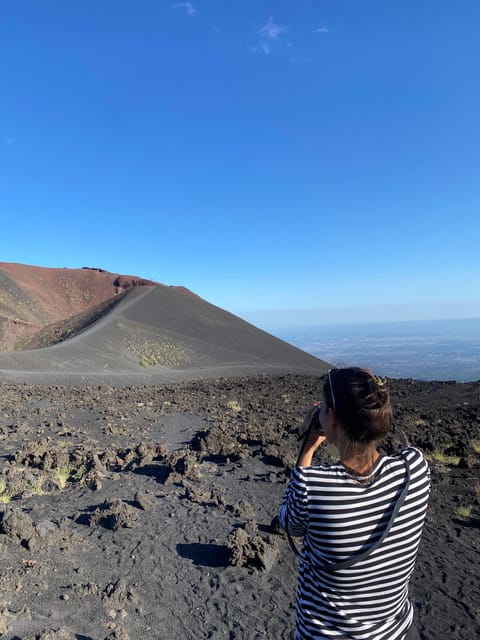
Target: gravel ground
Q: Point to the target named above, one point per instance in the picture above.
(144, 511)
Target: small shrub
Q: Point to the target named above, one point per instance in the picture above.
(439, 456)
(464, 512)
(62, 475)
(476, 446)
(234, 406)
(37, 486)
(420, 422)
(6, 493)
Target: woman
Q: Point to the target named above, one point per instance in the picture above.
(361, 519)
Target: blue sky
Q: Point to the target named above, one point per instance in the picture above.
(309, 161)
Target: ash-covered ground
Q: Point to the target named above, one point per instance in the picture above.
(145, 512)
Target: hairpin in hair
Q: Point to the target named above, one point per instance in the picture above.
(380, 382)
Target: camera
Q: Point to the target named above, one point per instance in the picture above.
(315, 421)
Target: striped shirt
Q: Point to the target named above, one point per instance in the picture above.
(340, 516)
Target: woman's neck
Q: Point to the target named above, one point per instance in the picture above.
(358, 460)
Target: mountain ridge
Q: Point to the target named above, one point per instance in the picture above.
(33, 297)
(147, 332)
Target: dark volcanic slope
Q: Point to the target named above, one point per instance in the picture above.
(159, 334)
(34, 297)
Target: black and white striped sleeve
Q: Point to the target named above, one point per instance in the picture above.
(294, 509)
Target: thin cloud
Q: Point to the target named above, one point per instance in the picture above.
(321, 30)
(262, 46)
(269, 32)
(186, 6)
(272, 30)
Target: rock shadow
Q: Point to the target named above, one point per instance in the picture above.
(85, 515)
(205, 555)
(471, 523)
(158, 471)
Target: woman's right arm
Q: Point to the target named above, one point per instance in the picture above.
(311, 436)
(294, 509)
(293, 515)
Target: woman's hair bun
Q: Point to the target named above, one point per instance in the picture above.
(379, 395)
(361, 402)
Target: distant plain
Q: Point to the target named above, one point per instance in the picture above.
(425, 350)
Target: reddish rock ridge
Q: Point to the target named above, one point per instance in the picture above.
(32, 298)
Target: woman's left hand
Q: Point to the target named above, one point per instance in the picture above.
(311, 415)
(311, 436)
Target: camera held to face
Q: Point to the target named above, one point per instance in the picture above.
(315, 421)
